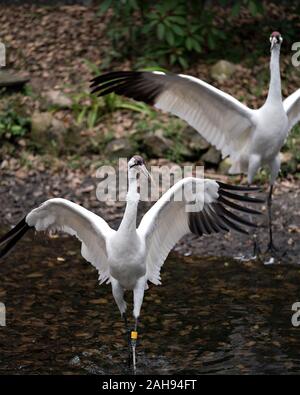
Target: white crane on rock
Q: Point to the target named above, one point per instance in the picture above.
(251, 138)
(130, 257)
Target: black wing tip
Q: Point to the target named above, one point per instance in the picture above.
(132, 84)
(194, 225)
(200, 228)
(242, 188)
(235, 206)
(236, 218)
(13, 236)
(13, 231)
(113, 75)
(241, 197)
(217, 218)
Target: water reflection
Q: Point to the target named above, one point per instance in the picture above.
(211, 315)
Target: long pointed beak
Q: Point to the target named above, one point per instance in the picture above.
(146, 172)
(273, 42)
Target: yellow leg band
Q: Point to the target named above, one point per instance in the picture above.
(134, 335)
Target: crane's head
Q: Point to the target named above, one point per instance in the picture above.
(137, 165)
(275, 40)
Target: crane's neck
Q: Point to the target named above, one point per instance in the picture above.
(274, 94)
(128, 224)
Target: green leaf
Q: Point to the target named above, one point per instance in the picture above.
(160, 31)
(170, 38)
(173, 59)
(92, 66)
(197, 47)
(81, 115)
(137, 107)
(183, 62)
(134, 4)
(179, 20)
(16, 129)
(252, 7)
(236, 9)
(189, 43)
(178, 30)
(105, 6)
(154, 68)
(92, 118)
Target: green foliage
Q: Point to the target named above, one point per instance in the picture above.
(88, 109)
(171, 129)
(171, 32)
(12, 124)
(255, 7)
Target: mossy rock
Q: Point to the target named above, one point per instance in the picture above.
(47, 133)
(120, 148)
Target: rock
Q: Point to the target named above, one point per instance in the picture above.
(58, 99)
(47, 132)
(75, 361)
(286, 157)
(222, 70)
(212, 156)
(58, 126)
(8, 79)
(156, 144)
(40, 122)
(120, 148)
(224, 166)
(194, 140)
(185, 152)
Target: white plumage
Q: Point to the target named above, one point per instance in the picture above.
(130, 257)
(62, 215)
(291, 106)
(251, 138)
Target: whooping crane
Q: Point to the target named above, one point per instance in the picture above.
(251, 138)
(130, 257)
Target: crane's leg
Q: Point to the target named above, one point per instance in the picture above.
(133, 338)
(254, 165)
(271, 247)
(256, 247)
(275, 167)
(118, 294)
(128, 332)
(138, 296)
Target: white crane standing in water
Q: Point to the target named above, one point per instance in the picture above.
(130, 257)
(251, 138)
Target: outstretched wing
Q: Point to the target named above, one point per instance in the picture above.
(292, 108)
(170, 218)
(217, 116)
(63, 215)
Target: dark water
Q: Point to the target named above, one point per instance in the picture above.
(209, 316)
